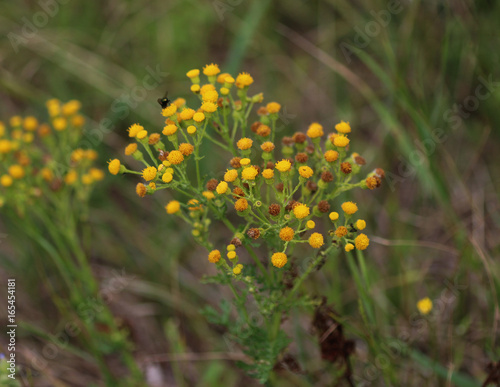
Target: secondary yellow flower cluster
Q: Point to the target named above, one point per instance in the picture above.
(280, 197)
(43, 158)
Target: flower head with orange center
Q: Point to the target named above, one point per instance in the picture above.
(175, 157)
(279, 259)
(286, 234)
(244, 143)
(361, 242)
(173, 207)
(315, 130)
(283, 165)
(301, 211)
(241, 205)
(149, 173)
(140, 190)
(214, 256)
(186, 149)
(316, 240)
(268, 146)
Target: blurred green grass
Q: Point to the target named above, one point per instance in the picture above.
(437, 226)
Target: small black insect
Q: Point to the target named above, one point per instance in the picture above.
(164, 102)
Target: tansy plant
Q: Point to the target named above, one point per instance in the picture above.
(284, 201)
(46, 179)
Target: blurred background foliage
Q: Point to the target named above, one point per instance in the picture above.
(434, 222)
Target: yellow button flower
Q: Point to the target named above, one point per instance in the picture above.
(199, 117)
(243, 80)
(333, 216)
(208, 107)
(134, 129)
(59, 123)
(315, 130)
(245, 161)
(301, 211)
(167, 177)
(191, 129)
(241, 205)
(268, 173)
(187, 114)
(6, 180)
(142, 134)
(331, 156)
(244, 143)
(273, 107)
(349, 247)
(424, 305)
(310, 224)
(361, 242)
(149, 173)
(211, 70)
(114, 166)
(214, 256)
(175, 157)
(30, 123)
(5, 146)
(208, 194)
(193, 73)
(283, 165)
(341, 141)
(172, 207)
(186, 149)
(316, 240)
(169, 130)
(268, 146)
(140, 190)
(71, 177)
(343, 127)
(249, 173)
(279, 259)
(169, 111)
(231, 175)
(286, 234)
(306, 172)
(130, 149)
(222, 188)
(360, 224)
(210, 96)
(341, 232)
(349, 207)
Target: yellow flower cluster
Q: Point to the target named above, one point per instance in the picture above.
(276, 190)
(39, 159)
